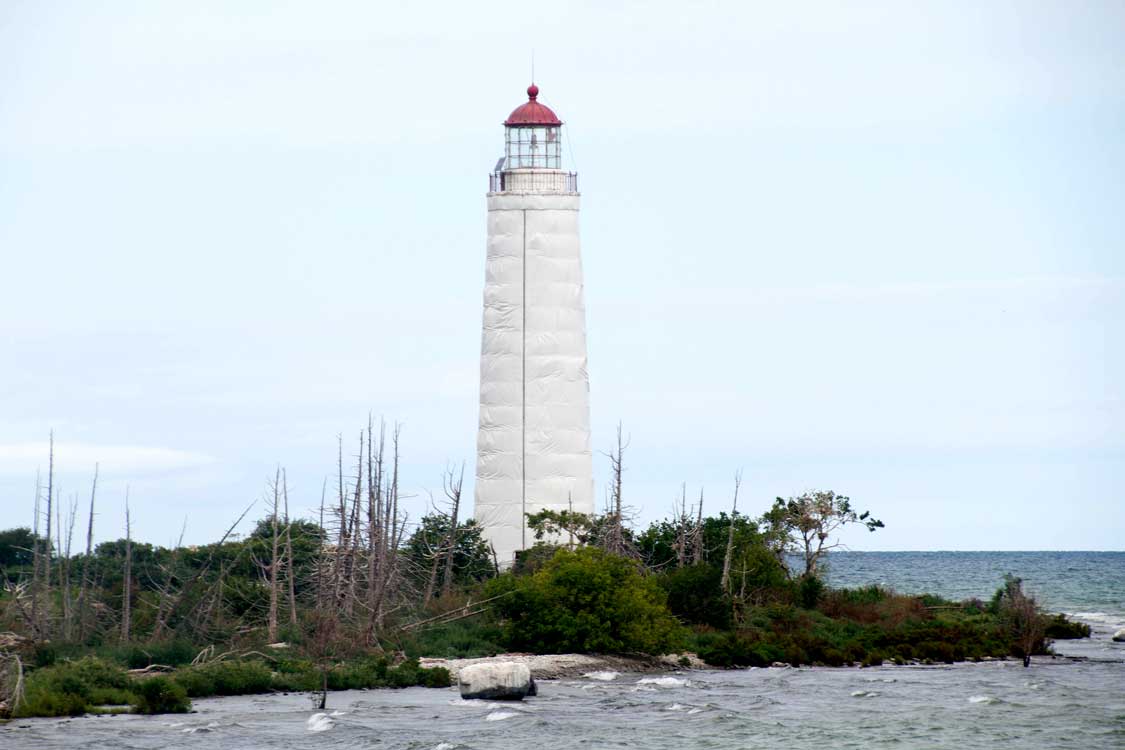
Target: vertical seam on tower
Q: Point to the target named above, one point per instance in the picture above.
(523, 394)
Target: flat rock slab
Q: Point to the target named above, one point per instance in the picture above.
(499, 681)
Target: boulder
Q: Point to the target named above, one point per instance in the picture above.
(1119, 636)
(500, 681)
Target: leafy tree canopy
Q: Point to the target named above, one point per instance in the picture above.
(586, 600)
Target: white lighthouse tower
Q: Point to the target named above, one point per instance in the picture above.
(533, 447)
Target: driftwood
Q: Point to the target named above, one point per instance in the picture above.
(152, 669)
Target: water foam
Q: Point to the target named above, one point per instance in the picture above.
(665, 682)
(319, 723)
(602, 676)
(501, 715)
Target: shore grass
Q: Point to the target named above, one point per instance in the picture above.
(93, 684)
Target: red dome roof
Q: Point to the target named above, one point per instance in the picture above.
(532, 113)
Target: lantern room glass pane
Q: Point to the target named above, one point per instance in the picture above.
(534, 147)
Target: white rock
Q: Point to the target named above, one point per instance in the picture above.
(501, 681)
(1119, 636)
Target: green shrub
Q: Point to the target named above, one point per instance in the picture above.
(732, 650)
(809, 591)
(586, 600)
(225, 678)
(1060, 628)
(436, 677)
(695, 595)
(160, 695)
(462, 639)
(69, 688)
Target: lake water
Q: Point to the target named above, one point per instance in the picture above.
(1059, 703)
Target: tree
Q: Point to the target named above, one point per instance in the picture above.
(1022, 618)
(471, 558)
(17, 547)
(586, 600)
(806, 525)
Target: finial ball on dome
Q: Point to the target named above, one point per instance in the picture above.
(532, 91)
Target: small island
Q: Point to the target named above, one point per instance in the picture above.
(352, 600)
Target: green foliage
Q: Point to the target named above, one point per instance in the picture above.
(809, 591)
(1060, 628)
(472, 560)
(461, 639)
(16, 547)
(71, 688)
(657, 543)
(160, 695)
(806, 525)
(225, 678)
(695, 595)
(585, 601)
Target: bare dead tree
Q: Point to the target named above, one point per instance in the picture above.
(697, 533)
(730, 532)
(290, 566)
(36, 560)
(271, 627)
(615, 533)
(321, 557)
(127, 586)
(170, 602)
(453, 492)
(85, 583)
(66, 594)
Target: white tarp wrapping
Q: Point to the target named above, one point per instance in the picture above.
(533, 447)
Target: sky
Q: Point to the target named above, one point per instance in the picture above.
(874, 249)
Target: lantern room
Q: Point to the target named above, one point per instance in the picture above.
(532, 136)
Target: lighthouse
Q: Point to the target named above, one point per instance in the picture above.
(533, 443)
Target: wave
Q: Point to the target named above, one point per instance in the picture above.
(985, 699)
(666, 682)
(602, 676)
(319, 723)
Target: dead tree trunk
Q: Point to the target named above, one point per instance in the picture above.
(697, 532)
(615, 541)
(271, 627)
(127, 585)
(730, 533)
(453, 492)
(290, 567)
(85, 583)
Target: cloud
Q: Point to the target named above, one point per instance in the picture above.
(22, 458)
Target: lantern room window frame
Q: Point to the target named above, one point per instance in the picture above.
(533, 147)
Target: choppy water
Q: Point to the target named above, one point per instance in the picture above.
(1057, 703)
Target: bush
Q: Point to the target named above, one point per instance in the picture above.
(69, 688)
(809, 591)
(586, 600)
(160, 695)
(225, 678)
(695, 595)
(1063, 629)
(462, 639)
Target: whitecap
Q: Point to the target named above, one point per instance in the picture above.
(445, 746)
(676, 707)
(501, 715)
(602, 676)
(982, 699)
(696, 711)
(864, 694)
(319, 723)
(338, 713)
(667, 682)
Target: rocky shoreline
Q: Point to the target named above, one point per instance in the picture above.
(556, 666)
